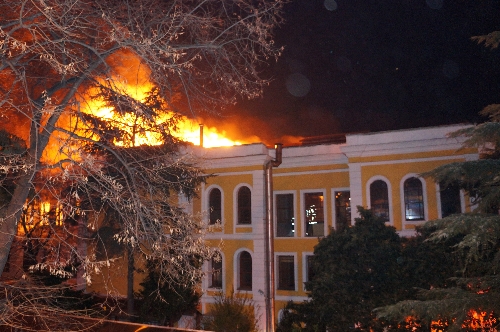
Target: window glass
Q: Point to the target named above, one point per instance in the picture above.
(342, 210)
(244, 206)
(379, 199)
(414, 199)
(309, 269)
(314, 215)
(214, 202)
(286, 273)
(450, 200)
(285, 220)
(216, 272)
(245, 271)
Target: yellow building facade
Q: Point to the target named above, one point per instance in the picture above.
(314, 189)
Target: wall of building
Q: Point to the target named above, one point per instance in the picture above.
(321, 171)
(308, 188)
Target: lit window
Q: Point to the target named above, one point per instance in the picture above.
(314, 216)
(342, 210)
(285, 220)
(244, 206)
(216, 271)
(450, 199)
(379, 199)
(245, 263)
(414, 199)
(43, 214)
(286, 273)
(215, 201)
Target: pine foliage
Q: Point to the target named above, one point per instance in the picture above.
(355, 270)
(163, 302)
(476, 235)
(479, 178)
(477, 255)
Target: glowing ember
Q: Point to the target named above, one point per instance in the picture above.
(480, 320)
(477, 320)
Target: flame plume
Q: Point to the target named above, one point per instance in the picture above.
(186, 129)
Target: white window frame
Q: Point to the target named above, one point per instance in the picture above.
(235, 206)
(303, 192)
(438, 201)
(402, 199)
(236, 269)
(389, 195)
(276, 268)
(275, 213)
(334, 206)
(206, 204)
(304, 267)
(208, 269)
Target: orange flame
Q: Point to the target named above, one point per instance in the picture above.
(132, 77)
(480, 320)
(188, 130)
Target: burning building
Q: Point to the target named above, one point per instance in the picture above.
(266, 208)
(315, 188)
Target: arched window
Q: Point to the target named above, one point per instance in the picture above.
(215, 202)
(216, 271)
(245, 266)
(379, 199)
(414, 199)
(244, 205)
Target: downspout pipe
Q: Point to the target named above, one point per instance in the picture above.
(269, 237)
(201, 135)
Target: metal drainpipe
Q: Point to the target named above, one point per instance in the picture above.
(269, 237)
(201, 135)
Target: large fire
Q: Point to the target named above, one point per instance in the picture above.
(132, 79)
(187, 129)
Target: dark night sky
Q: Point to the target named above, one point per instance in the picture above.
(373, 65)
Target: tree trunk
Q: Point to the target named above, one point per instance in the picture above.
(8, 226)
(130, 281)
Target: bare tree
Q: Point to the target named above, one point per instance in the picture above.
(57, 56)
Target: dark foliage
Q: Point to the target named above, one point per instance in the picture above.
(357, 269)
(164, 303)
(473, 238)
(12, 151)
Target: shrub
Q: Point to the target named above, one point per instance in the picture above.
(233, 313)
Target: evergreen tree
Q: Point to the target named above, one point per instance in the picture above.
(162, 302)
(476, 235)
(478, 178)
(355, 270)
(186, 56)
